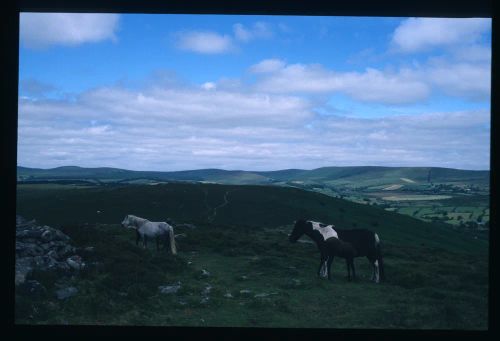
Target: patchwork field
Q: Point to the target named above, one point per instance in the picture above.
(237, 268)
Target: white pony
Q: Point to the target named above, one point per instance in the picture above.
(145, 228)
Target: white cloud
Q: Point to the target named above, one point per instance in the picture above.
(372, 85)
(209, 86)
(241, 33)
(419, 34)
(206, 42)
(268, 65)
(259, 30)
(189, 128)
(40, 30)
(466, 80)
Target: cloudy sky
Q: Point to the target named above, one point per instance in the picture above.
(177, 92)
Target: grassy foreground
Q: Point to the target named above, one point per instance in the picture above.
(435, 279)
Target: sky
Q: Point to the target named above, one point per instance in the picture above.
(178, 92)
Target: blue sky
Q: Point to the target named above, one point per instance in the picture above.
(172, 92)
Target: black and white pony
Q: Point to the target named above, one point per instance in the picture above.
(145, 228)
(366, 243)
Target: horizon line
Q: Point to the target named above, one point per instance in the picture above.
(243, 170)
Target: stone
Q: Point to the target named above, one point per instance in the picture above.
(65, 293)
(25, 234)
(245, 292)
(207, 290)
(228, 295)
(65, 250)
(205, 273)
(170, 289)
(61, 236)
(264, 294)
(75, 262)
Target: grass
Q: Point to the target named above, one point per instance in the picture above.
(436, 278)
(415, 197)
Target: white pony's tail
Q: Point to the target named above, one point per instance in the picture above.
(172, 240)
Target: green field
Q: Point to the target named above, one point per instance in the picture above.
(436, 277)
(415, 197)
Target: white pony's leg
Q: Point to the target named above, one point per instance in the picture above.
(377, 274)
(173, 247)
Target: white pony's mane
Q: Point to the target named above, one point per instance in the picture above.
(136, 219)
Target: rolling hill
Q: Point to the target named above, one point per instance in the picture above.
(346, 176)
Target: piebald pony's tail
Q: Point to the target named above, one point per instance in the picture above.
(173, 248)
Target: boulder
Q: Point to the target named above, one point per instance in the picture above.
(169, 289)
(75, 262)
(65, 293)
(207, 290)
(31, 234)
(245, 292)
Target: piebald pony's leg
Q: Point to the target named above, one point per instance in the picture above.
(348, 269)
(329, 266)
(322, 263)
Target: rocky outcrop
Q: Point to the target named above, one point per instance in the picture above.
(43, 248)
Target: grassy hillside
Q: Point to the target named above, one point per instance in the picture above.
(360, 176)
(253, 206)
(436, 278)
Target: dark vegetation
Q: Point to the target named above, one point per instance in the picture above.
(436, 277)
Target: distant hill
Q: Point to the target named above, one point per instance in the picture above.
(344, 176)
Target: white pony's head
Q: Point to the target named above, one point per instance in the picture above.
(128, 222)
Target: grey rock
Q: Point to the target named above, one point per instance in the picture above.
(75, 262)
(205, 300)
(228, 295)
(65, 293)
(61, 236)
(28, 234)
(48, 235)
(169, 289)
(264, 294)
(207, 290)
(65, 250)
(245, 292)
(205, 273)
